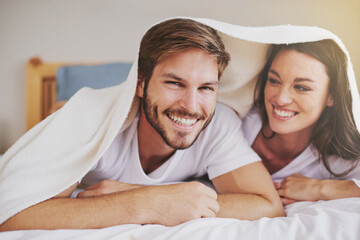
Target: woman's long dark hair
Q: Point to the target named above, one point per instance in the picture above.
(335, 131)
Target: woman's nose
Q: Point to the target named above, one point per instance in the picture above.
(284, 97)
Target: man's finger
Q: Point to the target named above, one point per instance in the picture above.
(208, 213)
(281, 191)
(86, 194)
(277, 185)
(214, 206)
(287, 201)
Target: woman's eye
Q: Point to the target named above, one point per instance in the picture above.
(273, 81)
(302, 88)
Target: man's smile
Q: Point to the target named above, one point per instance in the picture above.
(182, 120)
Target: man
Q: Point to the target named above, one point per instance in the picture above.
(176, 135)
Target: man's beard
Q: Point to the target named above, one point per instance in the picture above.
(151, 114)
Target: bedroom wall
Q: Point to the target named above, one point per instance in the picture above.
(95, 30)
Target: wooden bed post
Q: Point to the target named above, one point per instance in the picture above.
(40, 90)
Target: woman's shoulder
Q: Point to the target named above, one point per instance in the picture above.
(339, 166)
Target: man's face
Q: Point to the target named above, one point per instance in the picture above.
(180, 98)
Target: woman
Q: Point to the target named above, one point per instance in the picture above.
(302, 125)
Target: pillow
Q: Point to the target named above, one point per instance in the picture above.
(70, 79)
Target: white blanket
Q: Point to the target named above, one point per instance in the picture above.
(60, 150)
(330, 220)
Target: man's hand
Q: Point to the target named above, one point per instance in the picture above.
(172, 204)
(178, 203)
(165, 204)
(106, 187)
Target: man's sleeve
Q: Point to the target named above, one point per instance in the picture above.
(228, 148)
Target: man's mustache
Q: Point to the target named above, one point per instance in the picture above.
(184, 113)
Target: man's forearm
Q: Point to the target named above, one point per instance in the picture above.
(67, 213)
(247, 206)
(166, 204)
(247, 193)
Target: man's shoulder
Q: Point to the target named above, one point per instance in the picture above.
(225, 113)
(252, 120)
(225, 120)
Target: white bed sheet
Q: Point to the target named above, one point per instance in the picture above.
(331, 220)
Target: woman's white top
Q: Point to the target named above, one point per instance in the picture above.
(307, 163)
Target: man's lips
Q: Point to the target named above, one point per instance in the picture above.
(187, 122)
(184, 118)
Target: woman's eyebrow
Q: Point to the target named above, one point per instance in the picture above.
(274, 72)
(296, 79)
(303, 80)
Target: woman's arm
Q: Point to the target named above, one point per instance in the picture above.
(301, 188)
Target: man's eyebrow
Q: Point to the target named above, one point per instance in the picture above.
(172, 75)
(177, 78)
(296, 79)
(215, 83)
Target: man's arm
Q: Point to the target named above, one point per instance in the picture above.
(301, 188)
(165, 204)
(247, 193)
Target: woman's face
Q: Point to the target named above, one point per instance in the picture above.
(296, 92)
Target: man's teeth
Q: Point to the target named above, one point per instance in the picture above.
(183, 121)
(284, 113)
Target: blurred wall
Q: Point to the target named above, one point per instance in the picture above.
(96, 30)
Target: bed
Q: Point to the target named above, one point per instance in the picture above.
(335, 219)
(331, 220)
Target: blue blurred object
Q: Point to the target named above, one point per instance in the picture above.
(70, 79)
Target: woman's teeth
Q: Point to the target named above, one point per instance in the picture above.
(283, 113)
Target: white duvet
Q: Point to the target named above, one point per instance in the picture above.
(330, 220)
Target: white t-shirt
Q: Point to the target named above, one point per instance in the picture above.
(220, 148)
(307, 163)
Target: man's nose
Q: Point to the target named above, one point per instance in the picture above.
(190, 100)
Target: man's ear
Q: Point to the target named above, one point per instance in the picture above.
(140, 87)
(330, 101)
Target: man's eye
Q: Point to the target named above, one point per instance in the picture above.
(207, 89)
(174, 83)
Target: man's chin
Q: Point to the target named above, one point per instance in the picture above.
(181, 139)
(178, 146)
(181, 143)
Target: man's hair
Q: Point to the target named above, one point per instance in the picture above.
(177, 35)
(335, 131)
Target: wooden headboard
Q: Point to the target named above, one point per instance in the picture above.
(42, 83)
(41, 92)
